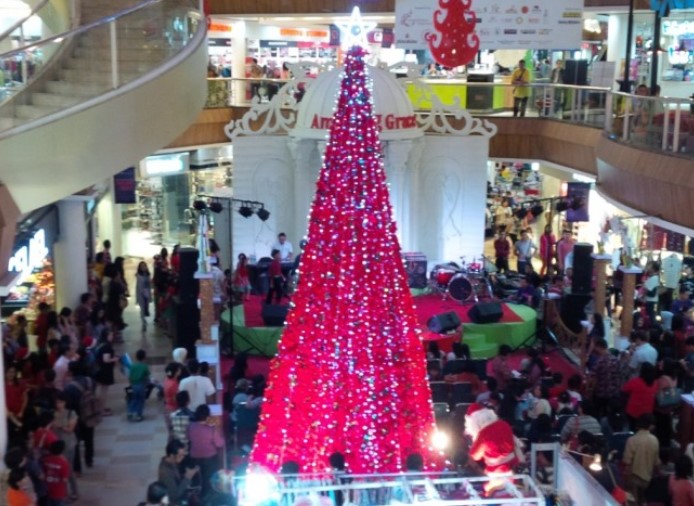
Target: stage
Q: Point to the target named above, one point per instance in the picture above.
(517, 325)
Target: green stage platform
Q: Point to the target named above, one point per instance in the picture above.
(483, 339)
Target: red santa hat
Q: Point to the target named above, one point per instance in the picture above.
(472, 408)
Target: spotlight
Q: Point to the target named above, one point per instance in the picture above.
(199, 205)
(216, 207)
(263, 213)
(440, 440)
(246, 211)
(562, 206)
(537, 209)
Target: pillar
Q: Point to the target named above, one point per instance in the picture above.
(222, 233)
(601, 262)
(616, 41)
(628, 291)
(3, 410)
(397, 154)
(109, 223)
(307, 163)
(70, 253)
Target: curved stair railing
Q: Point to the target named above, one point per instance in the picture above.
(107, 54)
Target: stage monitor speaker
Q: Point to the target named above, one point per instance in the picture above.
(444, 322)
(485, 312)
(188, 286)
(582, 278)
(274, 315)
(573, 310)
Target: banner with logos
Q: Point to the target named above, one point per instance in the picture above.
(501, 24)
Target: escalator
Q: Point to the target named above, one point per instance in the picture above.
(94, 100)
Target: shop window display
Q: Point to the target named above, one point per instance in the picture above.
(36, 287)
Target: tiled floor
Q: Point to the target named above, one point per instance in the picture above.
(127, 454)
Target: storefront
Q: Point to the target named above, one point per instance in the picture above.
(30, 278)
(167, 185)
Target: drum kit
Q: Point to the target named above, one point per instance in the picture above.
(464, 283)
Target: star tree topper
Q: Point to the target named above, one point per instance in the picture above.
(354, 31)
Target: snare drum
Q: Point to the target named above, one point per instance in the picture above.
(443, 276)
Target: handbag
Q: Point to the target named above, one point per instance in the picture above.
(668, 397)
(123, 302)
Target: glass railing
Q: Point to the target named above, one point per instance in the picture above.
(46, 19)
(94, 59)
(656, 123)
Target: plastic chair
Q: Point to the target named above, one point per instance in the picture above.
(439, 391)
(461, 392)
(441, 413)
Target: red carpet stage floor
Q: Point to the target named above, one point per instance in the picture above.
(516, 327)
(433, 304)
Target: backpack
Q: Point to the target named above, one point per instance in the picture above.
(89, 407)
(94, 360)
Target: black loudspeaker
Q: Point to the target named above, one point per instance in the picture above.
(485, 312)
(575, 72)
(274, 315)
(582, 279)
(416, 267)
(187, 325)
(573, 310)
(188, 286)
(444, 322)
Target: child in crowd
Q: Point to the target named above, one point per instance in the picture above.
(139, 379)
(57, 471)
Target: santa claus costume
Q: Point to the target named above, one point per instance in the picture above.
(493, 443)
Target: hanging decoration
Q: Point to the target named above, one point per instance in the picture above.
(454, 43)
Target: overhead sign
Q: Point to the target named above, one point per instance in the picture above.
(30, 256)
(664, 5)
(502, 24)
(124, 185)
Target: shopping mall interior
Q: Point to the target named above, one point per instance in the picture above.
(502, 138)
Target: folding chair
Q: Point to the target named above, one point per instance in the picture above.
(461, 392)
(439, 391)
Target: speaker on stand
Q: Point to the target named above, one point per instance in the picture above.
(187, 317)
(444, 322)
(582, 279)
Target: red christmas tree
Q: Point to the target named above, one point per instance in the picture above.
(350, 374)
(455, 42)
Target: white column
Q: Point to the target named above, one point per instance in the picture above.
(70, 253)
(617, 42)
(110, 224)
(3, 410)
(238, 61)
(398, 172)
(306, 162)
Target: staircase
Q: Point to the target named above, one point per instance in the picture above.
(64, 124)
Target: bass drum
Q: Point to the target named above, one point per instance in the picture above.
(465, 288)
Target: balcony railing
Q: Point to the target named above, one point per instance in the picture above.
(656, 123)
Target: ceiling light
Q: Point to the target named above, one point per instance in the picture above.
(199, 205)
(216, 207)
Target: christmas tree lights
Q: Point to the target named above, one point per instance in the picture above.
(350, 374)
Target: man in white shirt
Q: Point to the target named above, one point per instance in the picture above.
(199, 388)
(284, 247)
(643, 352)
(650, 288)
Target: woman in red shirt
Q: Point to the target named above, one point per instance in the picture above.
(680, 485)
(173, 373)
(642, 392)
(15, 399)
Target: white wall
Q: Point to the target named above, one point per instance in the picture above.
(263, 171)
(452, 196)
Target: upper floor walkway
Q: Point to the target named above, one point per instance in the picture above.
(639, 149)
